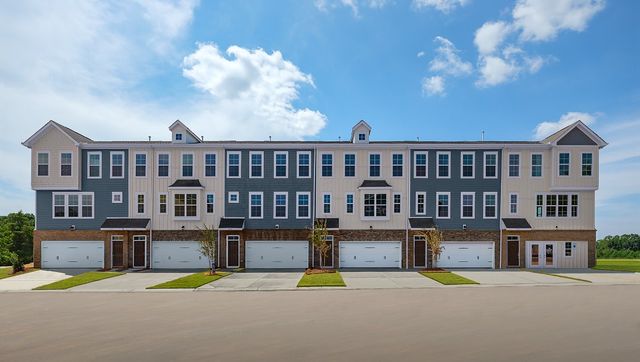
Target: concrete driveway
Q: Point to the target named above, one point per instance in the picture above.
(513, 277)
(386, 280)
(131, 282)
(37, 278)
(601, 276)
(275, 280)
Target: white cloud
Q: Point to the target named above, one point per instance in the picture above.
(495, 70)
(168, 20)
(433, 85)
(546, 128)
(447, 60)
(541, 20)
(354, 5)
(444, 6)
(490, 35)
(420, 54)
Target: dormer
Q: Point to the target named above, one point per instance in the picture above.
(360, 132)
(575, 134)
(182, 134)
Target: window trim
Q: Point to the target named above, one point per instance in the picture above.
(473, 165)
(252, 193)
(353, 203)
(168, 164)
(582, 164)
(136, 203)
(48, 164)
(166, 203)
(204, 164)
(415, 164)
(99, 153)
(71, 164)
(185, 193)
(541, 165)
(298, 153)
(448, 194)
(193, 165)
(239, 153)
(286, 164)
(393, 165)
(298, 205)
(355, 164)
(330, 203)
(393, 203)
(509, 164)
(419, 193)
(333, 163)
(516, 203)
(206, 203)
(116, 193)
(286, 205)
(261, 153)
(448, 153)
(135, 164)
(484, 164)
(375, 205)
(571, 254)
(179, 137)
(570, 205)
(484, 205)
(369, 164)
(230, 193)
(568, 165)
(473, 205)
(111, 154)
(66, 205)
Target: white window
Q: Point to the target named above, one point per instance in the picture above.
(564, 160)
(327, 164)
(420, 165)
(185, 206)
(141, 164)
(280, 205)
(73, 205)
(163, 165)
(421, 202)
(513, 204)
(187, 165)
(233, 164)
(467, 205)
(234, 197)
(557, 205)
(255, 205)
(178, 136)
(375, 205)
(162, 203)
(66, 164)
(444, 160)
(568, 248)
(210, 203)
(281, 164)
(490, 205)
(117, 164)
(374, 165)
(349, 165)
(210, 163)
(349, 202)
(304, 164)
(397, 203)
(587, 164)
(514, 165)
(116, 197)
(302, 205)
(94, 164)
(43, 163)
(140, 203)
(467, 165)
(326, 203)
(491, 165)
(442, 205)
(536, 165)
(361, 137)
(397, 160)
(256, 159)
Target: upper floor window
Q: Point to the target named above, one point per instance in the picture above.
(563, 163)
(281, 162)
(326, 203)
(536, 165)
(65, 164)
(420, 164)
(468, 165)
(233, 164)
(117, 165)
(421, 199)
(398, 164)
(514, 165)
(211, 198)
(361, 137)
(162, 203)
(178, 136)
(141, 165)
(349, 203)
(43, 163)
(256, 159)
(234, 197)
(490, 205)
(140, 203)
(374, 165)
(587, 164)
(397, 203)
(185, 205)
(513, 204)
(304, 164)
(210, 162)
(349, 165)
(443, 164)
(302, 205)
(490, 165)
(187, 165)
(280, 205)
(442, 204)
(327, 165)
(163, 165)
(73, 205)
(375, 205)
(255, 205)
(468, 205)
(95, 164)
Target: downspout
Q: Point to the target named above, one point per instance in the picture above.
(407, 207)
(499, 204)
(313, 208)
(153, 197)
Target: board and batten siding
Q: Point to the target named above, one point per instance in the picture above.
(55, 142)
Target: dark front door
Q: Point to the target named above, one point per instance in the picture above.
(233, 245)
(327, 261)
(139, 251)
(513, 253)
(116, 254)
(419, 253)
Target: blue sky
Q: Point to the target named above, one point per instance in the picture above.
(434, 69)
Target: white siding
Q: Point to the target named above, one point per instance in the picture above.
(55, 142)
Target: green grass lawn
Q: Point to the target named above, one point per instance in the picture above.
(80, 279)
(322, 280)
(6, 272)
(448, 278)
(191, 281)
(630, 265)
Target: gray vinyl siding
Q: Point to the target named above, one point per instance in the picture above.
(101, 188)
(576, 137)
(456, 185)
(268, 185)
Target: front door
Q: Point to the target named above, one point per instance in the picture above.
(327, 262)
(513, 253)
(117, 251)
(541, 255)
(233, 247)
(140, 251)
(419, 253)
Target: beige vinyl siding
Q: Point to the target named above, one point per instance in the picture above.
(578, 259)
(575, 178)
(55, 142)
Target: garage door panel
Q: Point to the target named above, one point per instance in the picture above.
(370, 254)
(72, 254)
(277, 254)
(178, 255)
(466, 255)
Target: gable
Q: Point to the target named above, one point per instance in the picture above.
(576, 137)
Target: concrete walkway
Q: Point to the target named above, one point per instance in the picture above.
(130, 282)
(256, 281)
(36, 278)
(386, 280)
(513, 277)
(600, 276)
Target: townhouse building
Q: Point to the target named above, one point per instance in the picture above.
(142, 204)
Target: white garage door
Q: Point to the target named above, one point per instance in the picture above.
(370, 254)
(466, 255)
(178, 255)
(277, 254)
(72, 254)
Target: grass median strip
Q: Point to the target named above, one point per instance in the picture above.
(321, 280)
(191, 281)
(6, 272)
(628, 265)
(448, 278)
(80, 279)
(561, 276)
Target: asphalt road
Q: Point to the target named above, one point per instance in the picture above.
(562, 323)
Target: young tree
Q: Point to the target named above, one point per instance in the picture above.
(318, 238)
(209, 245)
(434, 241)
(16, 239)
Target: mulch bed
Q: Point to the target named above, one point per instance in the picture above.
(319, 271)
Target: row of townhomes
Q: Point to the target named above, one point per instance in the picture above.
(141, 204)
